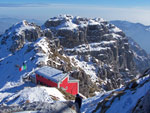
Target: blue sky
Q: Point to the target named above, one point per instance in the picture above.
(119, 3)
(131, 10)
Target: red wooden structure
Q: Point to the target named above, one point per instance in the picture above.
(55, 78)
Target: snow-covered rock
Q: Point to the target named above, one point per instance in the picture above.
(125, 100)
(33, 94)
(95, 40)
(41, 107)
(138, 36)
(34, 52)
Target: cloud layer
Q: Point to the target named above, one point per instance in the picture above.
(45, 11)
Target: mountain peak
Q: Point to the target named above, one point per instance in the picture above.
(19, 27)
(16, 36)
(25, 22)
(21, 24)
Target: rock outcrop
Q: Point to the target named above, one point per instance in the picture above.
(21, 33)
(87, 87)
(100, 40)
(17, 35)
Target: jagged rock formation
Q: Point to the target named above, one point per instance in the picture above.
(21, 33)
(139, 33)
(87, 87)
(96, 40)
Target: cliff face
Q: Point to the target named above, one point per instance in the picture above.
(98, 44)
(138, 36)
(94, 51)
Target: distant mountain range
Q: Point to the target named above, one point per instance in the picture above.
(139, 32)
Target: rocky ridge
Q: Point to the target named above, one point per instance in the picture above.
(138, 36)
(97, 44)
(133, 98)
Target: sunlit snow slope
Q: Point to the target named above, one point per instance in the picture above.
(124, 100)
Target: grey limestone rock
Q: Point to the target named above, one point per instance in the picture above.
(116, 53)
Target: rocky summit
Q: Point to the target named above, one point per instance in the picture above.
(92, 50)
(101, 48)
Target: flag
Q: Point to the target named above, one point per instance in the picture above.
(24, 67)
(20, 69)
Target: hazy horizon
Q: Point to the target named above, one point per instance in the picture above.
(133, 11)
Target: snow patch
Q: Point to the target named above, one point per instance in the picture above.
(92, 22)
(115, 30)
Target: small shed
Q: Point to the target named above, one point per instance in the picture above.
(56, 78)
